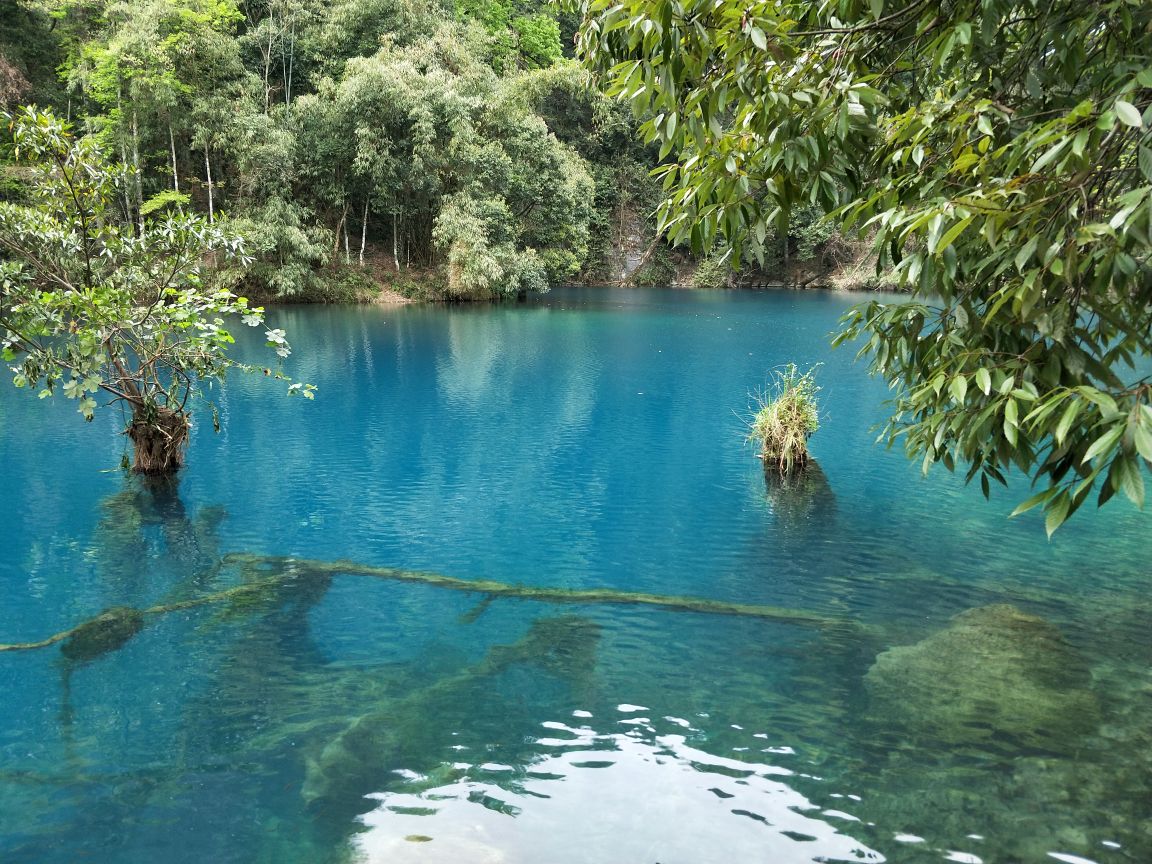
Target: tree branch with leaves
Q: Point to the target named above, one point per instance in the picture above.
(94, 306)
(999, 155)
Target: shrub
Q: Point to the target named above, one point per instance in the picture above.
(786, 416)
(715, 271)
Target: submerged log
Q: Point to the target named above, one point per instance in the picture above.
(601, 596)
(361, 757)
(106, 632)
(282, 570)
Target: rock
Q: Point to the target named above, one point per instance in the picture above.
(994, 674)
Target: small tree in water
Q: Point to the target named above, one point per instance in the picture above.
(786, 417)
(93, 301)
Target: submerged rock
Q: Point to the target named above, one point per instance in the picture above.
(994, 673)
(106, 632)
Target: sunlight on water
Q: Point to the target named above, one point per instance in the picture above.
(620, 796)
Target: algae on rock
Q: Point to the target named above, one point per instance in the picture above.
(994, 672)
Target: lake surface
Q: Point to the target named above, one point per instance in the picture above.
(590, 440)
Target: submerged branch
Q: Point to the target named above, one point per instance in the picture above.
(543, 594)
(290, 569)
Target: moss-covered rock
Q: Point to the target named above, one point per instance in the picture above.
(995, 672)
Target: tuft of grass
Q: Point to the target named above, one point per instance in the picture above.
(786, 416)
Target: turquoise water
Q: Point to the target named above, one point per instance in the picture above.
(592, 439)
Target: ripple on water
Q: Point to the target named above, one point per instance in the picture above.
(612, 797)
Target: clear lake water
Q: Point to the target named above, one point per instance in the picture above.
(960, 688)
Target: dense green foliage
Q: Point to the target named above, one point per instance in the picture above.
(997, 152)
(785, 419)
(394, 141)
(92, 303)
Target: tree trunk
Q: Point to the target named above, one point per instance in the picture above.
(395, 244)
(128, 216)
(175, 170)
(268, 67)
(159, 438)
(208, 169)
(363, 232)
(339, 230)
(137, 175)
(288, 69)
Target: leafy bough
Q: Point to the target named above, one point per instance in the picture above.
(92, 302)
(998, 154)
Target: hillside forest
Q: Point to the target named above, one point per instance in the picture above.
(434, 149)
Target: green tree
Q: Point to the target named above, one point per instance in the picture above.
(94, 305)
(467, 176)
(999, 153)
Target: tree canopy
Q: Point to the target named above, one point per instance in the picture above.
(350, 143)
(998, 155)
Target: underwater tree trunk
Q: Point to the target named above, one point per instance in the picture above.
(159, 438)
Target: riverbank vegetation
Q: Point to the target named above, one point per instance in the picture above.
(443, 150)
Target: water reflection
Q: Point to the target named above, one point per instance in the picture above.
(596, 448)
(636, 795)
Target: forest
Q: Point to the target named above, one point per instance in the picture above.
(438, 150)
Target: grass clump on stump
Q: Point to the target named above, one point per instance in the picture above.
(786, 416)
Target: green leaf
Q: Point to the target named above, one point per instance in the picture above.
(1131, 480)
(1144, 157)
(1104, 444)
(952, 233)
(983, 381)
(1128, 113)
(1143, 440)
(1011, 413)
(958, 387)
(1035, 501)
(1066, 419)
(758, 38)
(1056, 512)
(1026, 252)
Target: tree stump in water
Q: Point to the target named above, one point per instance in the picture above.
(159, 438)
